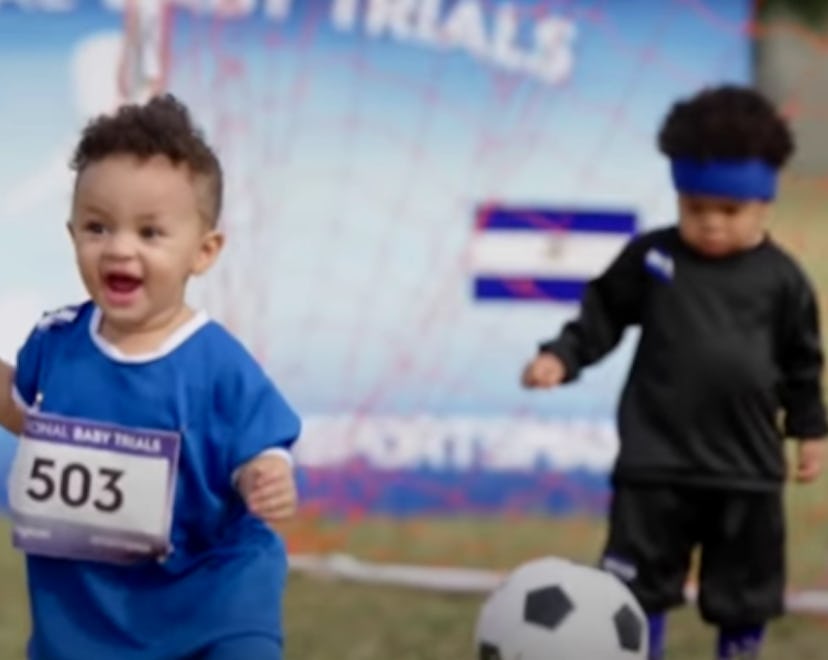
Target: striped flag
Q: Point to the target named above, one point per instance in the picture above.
(535, 254)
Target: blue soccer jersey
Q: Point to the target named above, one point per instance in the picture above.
(225, 572)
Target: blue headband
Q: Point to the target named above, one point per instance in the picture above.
(738, 179)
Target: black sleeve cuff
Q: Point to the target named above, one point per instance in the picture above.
(808, 426)
(559, 349)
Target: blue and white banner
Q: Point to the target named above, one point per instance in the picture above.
(416, 192)
(544, 254)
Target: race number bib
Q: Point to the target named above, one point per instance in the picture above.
(83, 490)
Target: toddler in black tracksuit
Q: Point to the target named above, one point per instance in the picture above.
(729, 363)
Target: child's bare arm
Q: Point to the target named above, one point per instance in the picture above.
(10, 416)
(810, 458)
(269, 487)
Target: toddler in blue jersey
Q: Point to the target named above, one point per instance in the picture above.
(154, 456)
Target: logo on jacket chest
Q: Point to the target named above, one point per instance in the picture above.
(660, 264)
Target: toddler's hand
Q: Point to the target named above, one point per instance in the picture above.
(809, 460)
(268, 487)
(546, 370)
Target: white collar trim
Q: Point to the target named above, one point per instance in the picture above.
(181, 334)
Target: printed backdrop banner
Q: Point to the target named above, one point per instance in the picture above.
(417, 192)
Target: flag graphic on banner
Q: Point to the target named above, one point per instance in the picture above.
(536, 254)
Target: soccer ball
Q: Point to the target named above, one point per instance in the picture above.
(555, 609)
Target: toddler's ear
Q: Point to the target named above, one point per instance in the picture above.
(211, 244)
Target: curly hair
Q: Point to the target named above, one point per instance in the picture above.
(161, 127)
(726, 123)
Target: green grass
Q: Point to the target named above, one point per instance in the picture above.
(14, 612)
(329, 619)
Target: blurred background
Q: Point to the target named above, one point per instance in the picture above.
(417, 191)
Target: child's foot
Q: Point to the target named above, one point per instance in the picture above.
(740, 644)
